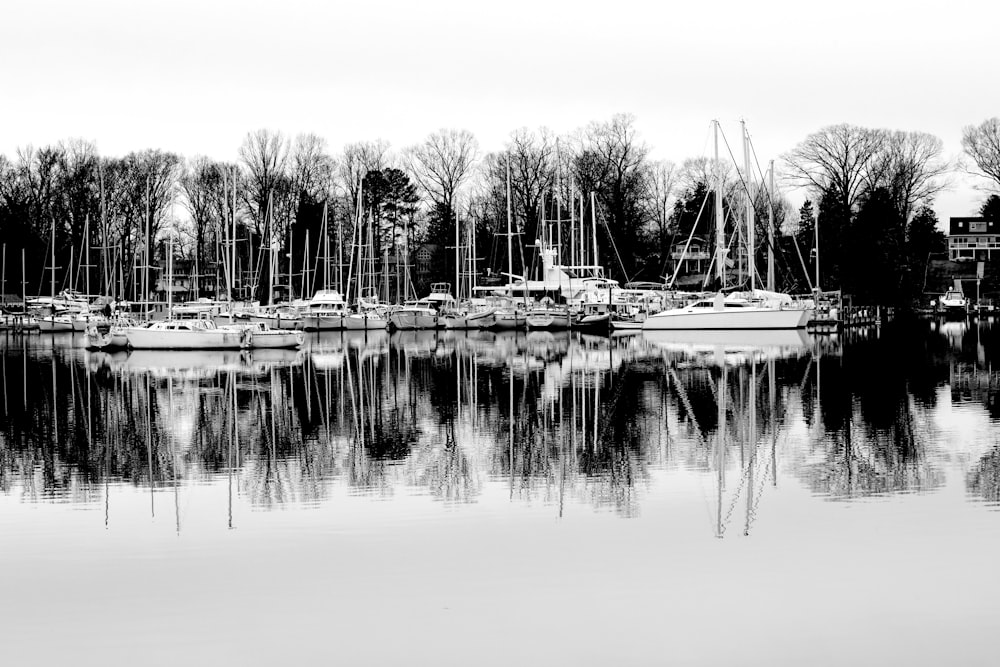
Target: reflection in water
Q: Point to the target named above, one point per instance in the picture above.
(555, 418)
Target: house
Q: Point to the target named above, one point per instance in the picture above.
(972, 239)
(693, 263)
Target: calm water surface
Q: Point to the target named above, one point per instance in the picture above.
(456, 499)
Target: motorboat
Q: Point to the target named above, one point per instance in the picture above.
(953, 303)
(414, 315)
(325, 312)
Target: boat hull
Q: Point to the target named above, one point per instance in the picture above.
(508, 321)
(727, 319)
(408, 320)
(364, 322)
(322, 322)
(157, 339)
(547, 319)
(55, 324)
(274, 340)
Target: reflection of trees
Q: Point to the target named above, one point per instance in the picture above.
(984, 479)
(557, 419)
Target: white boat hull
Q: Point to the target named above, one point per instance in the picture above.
(547, 319)
(211, 339)
(727, 318)
(357, 322)
(408, 320)
(322, 322)
(508, 321)
(274, 339)
(57, 324)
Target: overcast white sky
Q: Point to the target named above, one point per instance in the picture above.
(194, 76)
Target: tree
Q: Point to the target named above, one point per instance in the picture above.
(835, 162)
(982, 144)
(909, 166)
(440, 166)
(875, 268)
(660, 182)
(923, 239)
(264, 154)
(611, 162)
(991, 208)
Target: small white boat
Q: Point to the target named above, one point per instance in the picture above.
(260, 336)
(56, 324)
(415, 315)
(954, 304)
(507, 319)
(548, 316)
(326, 311)
(365, 320)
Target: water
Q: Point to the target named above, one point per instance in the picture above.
(480, 498)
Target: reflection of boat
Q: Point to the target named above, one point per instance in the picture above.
(774, 343)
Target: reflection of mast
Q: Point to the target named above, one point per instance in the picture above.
(149, 446)
(720, 453)
(173, 454)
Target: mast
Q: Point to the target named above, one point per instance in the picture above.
(234, 272)
(3, 272)
(510, 244)
(720, 230)
(170, 278)
(593, 226)
(52, 279)
(770, 227)
(751, 255)
(558, 256)
(458, 260)
(572, 228)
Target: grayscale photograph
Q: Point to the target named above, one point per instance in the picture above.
(525, 333)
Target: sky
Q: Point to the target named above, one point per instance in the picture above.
(195, 76)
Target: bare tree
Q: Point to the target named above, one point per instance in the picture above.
(661, 180)
(982, 144)
(910, 167)
(358, 159)
(835, 162)
(265, 155)
(442, 163)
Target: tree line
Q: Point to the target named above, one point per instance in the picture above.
(870, 195)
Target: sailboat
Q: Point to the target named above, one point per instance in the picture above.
(759, 309)
(327, 308)
(369, 314)
(171, 334)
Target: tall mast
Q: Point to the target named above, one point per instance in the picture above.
(52, 280)
(558, 256)
(170, 278)
(593, 226)
(573, 259)
(234, 271)
(720, 230)
(770, 227)
(510, 243)
(751, 255)
(458, 260)
(326, 250)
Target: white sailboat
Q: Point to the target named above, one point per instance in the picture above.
(758, 309)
